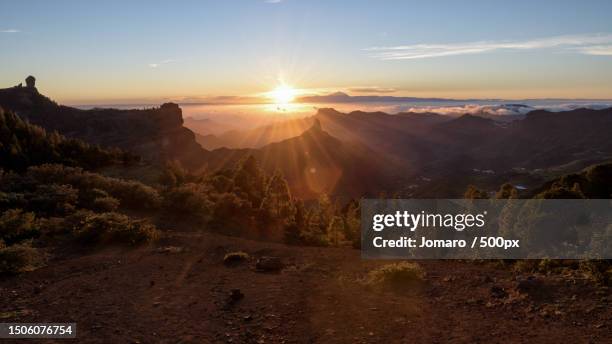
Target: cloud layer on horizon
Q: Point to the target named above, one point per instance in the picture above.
(589, 44)
(492, 109)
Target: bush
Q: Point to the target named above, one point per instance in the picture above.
(17, 225)
(134, 194)
(599, 271)
(54, 199)
(396, 276)
(131, 194)
(313, 238)
(231, 214)
(52, 226)
(115, 228)
(23, 144)
(105, 204)
(19, 258)
(234, 258)
(189, 199)
(544, 266)
(12, 200)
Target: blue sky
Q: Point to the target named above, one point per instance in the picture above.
(85, 51)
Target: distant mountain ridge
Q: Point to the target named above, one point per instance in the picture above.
(341, 97)
(440, 155)
(352, 154)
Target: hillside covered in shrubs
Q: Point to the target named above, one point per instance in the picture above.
(52, 192)
(48, 195)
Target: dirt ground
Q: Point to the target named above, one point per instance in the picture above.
(178, 291)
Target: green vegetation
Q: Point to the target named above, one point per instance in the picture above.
(594, 182)
(114, 228)
(19, 258)
(47, 193)
(17, 226)
(396, 276)
(529, 221)
(23, 145)
(248, 202)
(51, 190)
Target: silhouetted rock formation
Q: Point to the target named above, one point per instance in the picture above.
(316, 125)
(30, 82)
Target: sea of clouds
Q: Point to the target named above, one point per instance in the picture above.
(491, 109)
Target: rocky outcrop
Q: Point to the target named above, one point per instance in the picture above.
(30, 82)
(156, 134)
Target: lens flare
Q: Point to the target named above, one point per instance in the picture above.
(283, 94)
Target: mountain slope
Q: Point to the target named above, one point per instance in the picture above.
(156, 134)
(23, 144)
(316, 162)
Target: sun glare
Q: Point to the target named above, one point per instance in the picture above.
(283, 94)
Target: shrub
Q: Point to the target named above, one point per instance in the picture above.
(314, 238)
(131, 194)
(599, 271)
(134, 194)
(396, 276)
(17, 225)
(19, 258)
(231, 214)
(54, 199)
(52, 226)
(115, 228)
(105, 204)
(188, 199)
(12, 200)
(544, 266)
(234, 258)
(23, 144)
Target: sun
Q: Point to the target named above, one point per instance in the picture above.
(282, 94)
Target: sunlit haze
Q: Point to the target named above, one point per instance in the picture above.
(282, 94)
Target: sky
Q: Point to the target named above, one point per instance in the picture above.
(143, 51)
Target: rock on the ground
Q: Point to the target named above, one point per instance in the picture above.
(269, 264)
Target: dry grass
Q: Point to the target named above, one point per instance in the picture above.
(396, 276)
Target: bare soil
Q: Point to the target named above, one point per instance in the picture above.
(178, 291)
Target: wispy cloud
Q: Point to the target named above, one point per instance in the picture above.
(273, 1)
(591, 44)
(159, 64)
(597, 50)
(10, 31)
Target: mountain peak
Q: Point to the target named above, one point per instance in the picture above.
(339, 94)
(315, 129)
(316, 125)
(327, 111)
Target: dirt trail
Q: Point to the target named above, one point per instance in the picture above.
(182, 295)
